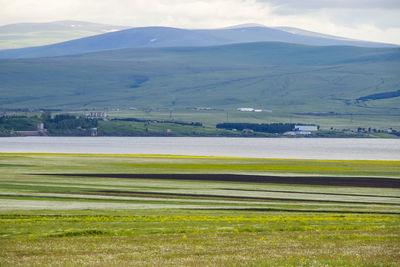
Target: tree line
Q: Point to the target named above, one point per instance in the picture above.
(60, 124)
(278, 128)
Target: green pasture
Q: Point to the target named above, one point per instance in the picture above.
(25, 164)
(80, 220)
(127, 128)
(346, 120)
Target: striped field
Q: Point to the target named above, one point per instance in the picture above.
(190, 211)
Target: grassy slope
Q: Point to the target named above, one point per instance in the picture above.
(50, 220)
(275, 76)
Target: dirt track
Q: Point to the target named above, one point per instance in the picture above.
(307, 180)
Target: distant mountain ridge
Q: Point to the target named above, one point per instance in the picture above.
(313, 34)
(21, 35)
(155, 37)
(59, 25)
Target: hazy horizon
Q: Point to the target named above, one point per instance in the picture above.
(369, 20)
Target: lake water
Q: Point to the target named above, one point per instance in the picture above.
(295, 148)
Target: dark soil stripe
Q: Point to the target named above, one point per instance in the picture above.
(309, 180)
(311, 193)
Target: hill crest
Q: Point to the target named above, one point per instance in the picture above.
(153, 37)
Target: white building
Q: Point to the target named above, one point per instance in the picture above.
(306, 128)
(245, 109)
(253, 110)
(97, 114)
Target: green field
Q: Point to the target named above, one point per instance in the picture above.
(105, 210)
(213, 117)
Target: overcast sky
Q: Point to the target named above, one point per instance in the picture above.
(374, 20)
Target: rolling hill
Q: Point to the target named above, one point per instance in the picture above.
(35, 34)
(277, 76)
(155, 37)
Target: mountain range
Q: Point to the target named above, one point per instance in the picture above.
(173, 37)
(20, 35)
(285, 70)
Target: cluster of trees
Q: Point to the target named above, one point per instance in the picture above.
(61, 124)
(4, 132)
(373, 130)
(19, 123)
(199, 124)
(66, 124)
(278, 128)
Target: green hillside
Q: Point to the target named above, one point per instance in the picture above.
(275, 76)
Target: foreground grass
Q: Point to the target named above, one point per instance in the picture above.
(194, 238)
(55, 220)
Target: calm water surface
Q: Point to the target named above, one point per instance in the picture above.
(295, 148)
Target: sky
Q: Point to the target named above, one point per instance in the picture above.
(371, 20)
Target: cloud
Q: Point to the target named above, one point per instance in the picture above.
(383, 14)
(188, 13)
(293, 5)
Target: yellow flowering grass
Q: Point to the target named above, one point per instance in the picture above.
(188, 238)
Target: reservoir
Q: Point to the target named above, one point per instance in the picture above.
(285, 148)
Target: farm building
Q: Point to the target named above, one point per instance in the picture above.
(305, 129)
(253, 110)
(245, 109)
(310, 128)
(97, 114)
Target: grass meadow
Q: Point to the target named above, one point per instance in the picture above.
(107, 210)
(347, 119)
